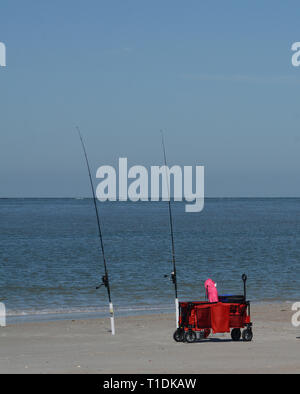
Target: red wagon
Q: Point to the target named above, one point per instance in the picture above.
(230, 314)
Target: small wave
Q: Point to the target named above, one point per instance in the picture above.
(85, 310)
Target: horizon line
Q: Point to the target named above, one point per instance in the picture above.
(90, 197)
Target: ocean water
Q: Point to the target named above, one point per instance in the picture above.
(50, 261)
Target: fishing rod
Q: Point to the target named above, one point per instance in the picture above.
(173, 274)
(105, 278)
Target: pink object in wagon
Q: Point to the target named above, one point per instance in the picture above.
(211, 290)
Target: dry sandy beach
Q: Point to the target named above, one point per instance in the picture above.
(144, 344)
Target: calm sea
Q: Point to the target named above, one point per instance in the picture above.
(50, 262)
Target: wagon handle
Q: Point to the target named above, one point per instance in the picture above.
(244, 278)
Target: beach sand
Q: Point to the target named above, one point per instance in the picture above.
(144, 344)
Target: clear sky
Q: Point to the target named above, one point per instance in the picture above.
(215, 75)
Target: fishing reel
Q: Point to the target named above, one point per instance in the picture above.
(172, 277)
(104, 282)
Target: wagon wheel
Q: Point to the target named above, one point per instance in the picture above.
(247, 335)
(236, 334)
(190, 336)
(179, 335)
(204, 333)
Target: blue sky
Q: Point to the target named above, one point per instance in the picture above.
(216, 76)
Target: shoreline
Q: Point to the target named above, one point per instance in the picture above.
(40, 316)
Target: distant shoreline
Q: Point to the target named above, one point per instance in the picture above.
(64, 315)
(206, 198)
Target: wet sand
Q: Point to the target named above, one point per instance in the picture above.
(144, 344)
